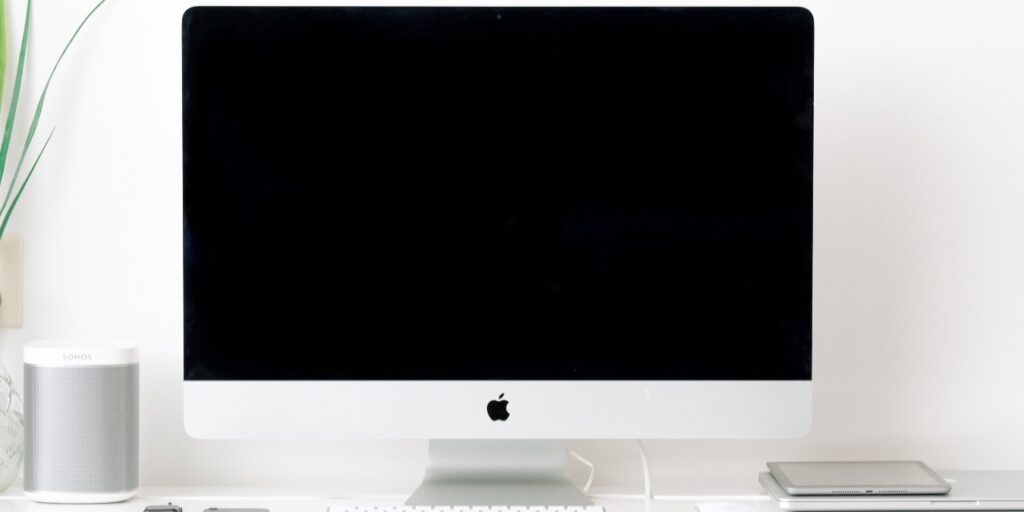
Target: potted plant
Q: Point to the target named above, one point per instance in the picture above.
(13, 180)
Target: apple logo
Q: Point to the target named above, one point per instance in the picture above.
(498, 409)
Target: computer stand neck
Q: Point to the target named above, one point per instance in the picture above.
(491, 472)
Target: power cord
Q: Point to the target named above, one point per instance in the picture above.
(587, 463)
(648, 493)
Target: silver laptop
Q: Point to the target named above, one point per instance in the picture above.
(971, 490)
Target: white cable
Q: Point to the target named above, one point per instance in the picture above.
(648, 493)
(587, 463)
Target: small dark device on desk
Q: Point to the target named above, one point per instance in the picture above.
(170, 507)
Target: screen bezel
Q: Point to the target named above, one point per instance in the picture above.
(217, 409)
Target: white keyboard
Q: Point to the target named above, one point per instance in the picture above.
(402, 508)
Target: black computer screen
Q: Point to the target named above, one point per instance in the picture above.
(497, 193)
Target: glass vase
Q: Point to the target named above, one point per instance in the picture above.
(12, 430)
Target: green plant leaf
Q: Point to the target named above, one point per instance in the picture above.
(12, 105)
(3, 45)
(39, 106)
(31, 171)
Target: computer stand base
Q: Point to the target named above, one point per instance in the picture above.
(487, 473)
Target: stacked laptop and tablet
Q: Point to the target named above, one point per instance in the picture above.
(889, 485)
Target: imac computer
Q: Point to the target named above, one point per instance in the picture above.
(497, 223)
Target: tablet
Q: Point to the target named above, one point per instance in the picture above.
(856, 478)
(973, 491)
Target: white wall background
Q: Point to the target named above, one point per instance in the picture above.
(919, 246)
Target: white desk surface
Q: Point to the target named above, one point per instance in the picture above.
(198, 499)
(300, 504)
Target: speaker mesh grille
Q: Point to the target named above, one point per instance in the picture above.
(82, 429)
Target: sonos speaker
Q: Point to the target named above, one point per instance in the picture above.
(81, 422)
